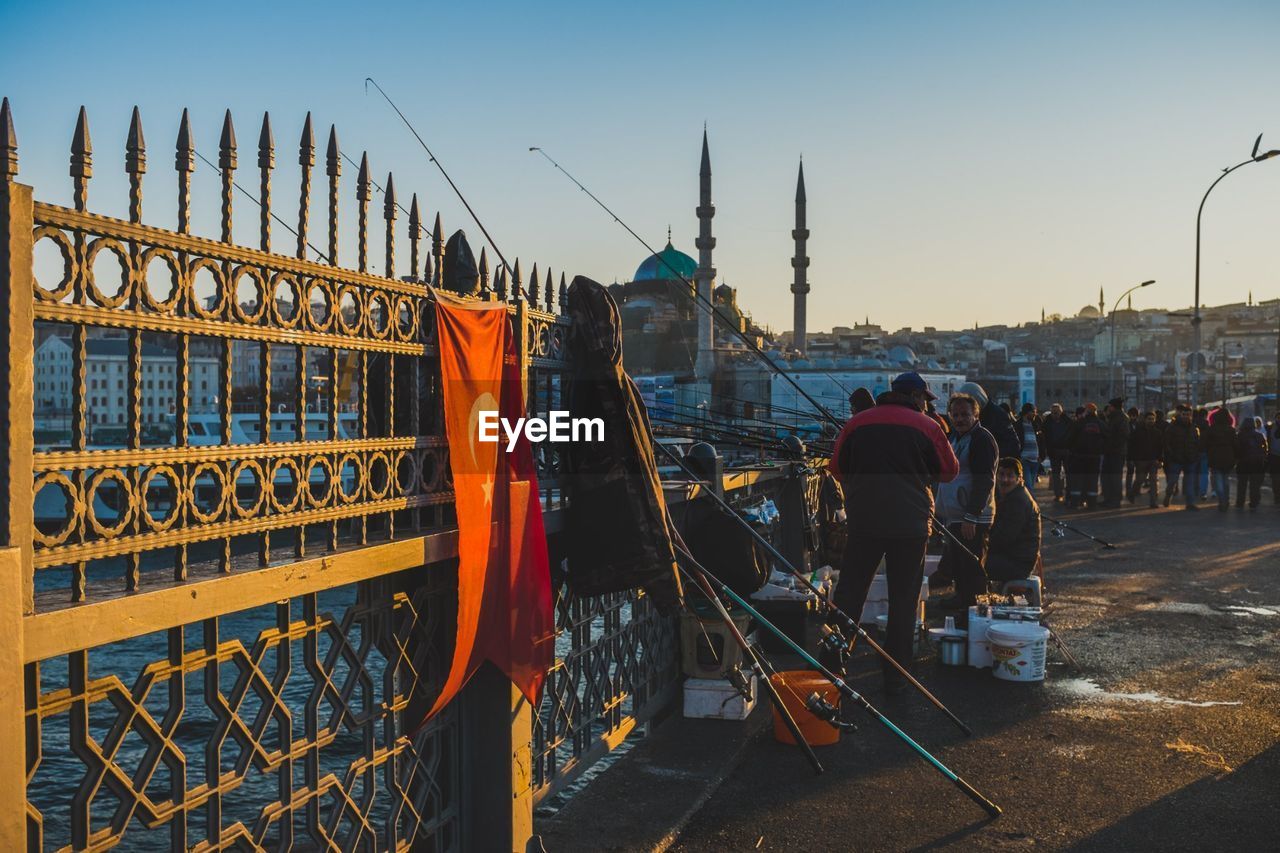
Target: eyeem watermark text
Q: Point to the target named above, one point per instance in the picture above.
(559, 427)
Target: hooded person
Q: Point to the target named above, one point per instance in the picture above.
(996, 420)
(1251, 463)
(886, 458)
(617, 532)
(861, 400)
(460, 274)
(1219, 442)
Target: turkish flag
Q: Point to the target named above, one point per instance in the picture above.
(504, 581)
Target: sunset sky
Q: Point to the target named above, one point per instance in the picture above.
(964, 162)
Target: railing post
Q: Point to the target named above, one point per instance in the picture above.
(498, 726)
(17, 377)
(13, 746)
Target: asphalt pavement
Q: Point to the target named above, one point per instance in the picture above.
(1168, 738)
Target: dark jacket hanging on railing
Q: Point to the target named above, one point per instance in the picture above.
(616, 525)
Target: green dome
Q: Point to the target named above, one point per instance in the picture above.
(670, 263)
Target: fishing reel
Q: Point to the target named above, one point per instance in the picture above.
(827, 712)
(833, 641)
(1058, 531)
(738, 681)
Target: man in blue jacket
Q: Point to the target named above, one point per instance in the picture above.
(966, 504)
(886, 458)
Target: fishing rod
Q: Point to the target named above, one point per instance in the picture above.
(699, 299)
(1059, 524)
(319, 254)
(849, 622)
(756, 426)
(817, 704)
(458, 192)
(757, 661)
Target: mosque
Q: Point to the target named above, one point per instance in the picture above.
(690, 365)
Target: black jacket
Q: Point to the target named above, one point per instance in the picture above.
(1220, 444)
(1118, 427)
(1015, 534)
(1088, 436)
(1181, 443)
(1003, 429)
(1057, 435)
(886, 458)
(1145, 444)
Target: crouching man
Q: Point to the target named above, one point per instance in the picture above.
(1013, 547)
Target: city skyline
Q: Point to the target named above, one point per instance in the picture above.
(982, 163)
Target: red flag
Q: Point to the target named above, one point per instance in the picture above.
(504, 581)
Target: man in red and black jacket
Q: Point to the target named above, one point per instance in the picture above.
(887, 458)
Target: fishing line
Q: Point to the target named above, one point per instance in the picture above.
(502, 258)
(699, 299)
(321, 255)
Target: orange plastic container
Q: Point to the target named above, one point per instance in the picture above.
(794, 686)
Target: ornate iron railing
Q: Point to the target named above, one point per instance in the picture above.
(229, 508)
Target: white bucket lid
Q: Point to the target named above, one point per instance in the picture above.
(1017, 632)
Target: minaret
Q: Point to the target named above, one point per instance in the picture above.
(1101, 303)
(800, 265)
(705, 275)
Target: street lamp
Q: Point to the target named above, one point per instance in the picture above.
(1254, 157)
(1114, 308)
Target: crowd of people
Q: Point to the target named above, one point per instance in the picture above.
(1101, 459)
(908, 471)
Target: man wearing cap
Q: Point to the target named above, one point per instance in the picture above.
(886, 458)
(1114, 452)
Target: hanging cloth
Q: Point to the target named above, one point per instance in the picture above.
(505, 613)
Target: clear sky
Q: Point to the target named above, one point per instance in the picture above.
(964, 162)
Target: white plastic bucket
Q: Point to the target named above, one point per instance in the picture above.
(1018, 650)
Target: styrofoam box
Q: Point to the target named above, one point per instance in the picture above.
(877, 603)
(716, 699)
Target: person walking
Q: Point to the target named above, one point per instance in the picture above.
(1056, 434)
(1088, 443)
(1251, 462)
(1029, 424)
(966, 504)
(1273, 458)
(1220, 449)
(1113, 456)
(1130, 469)
(886, 458)
(1182, 455)
(1145, 450)
(1202, 480)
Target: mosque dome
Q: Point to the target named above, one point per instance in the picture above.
(669, 264)
(1089, 312)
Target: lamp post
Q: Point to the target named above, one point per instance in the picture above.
(1114, 308)
(1254, 157)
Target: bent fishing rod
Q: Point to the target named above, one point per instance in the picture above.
(831, 639)
(699, 299)
(816, 702)
(502, 258)
(1057, 522)
(757, 660)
